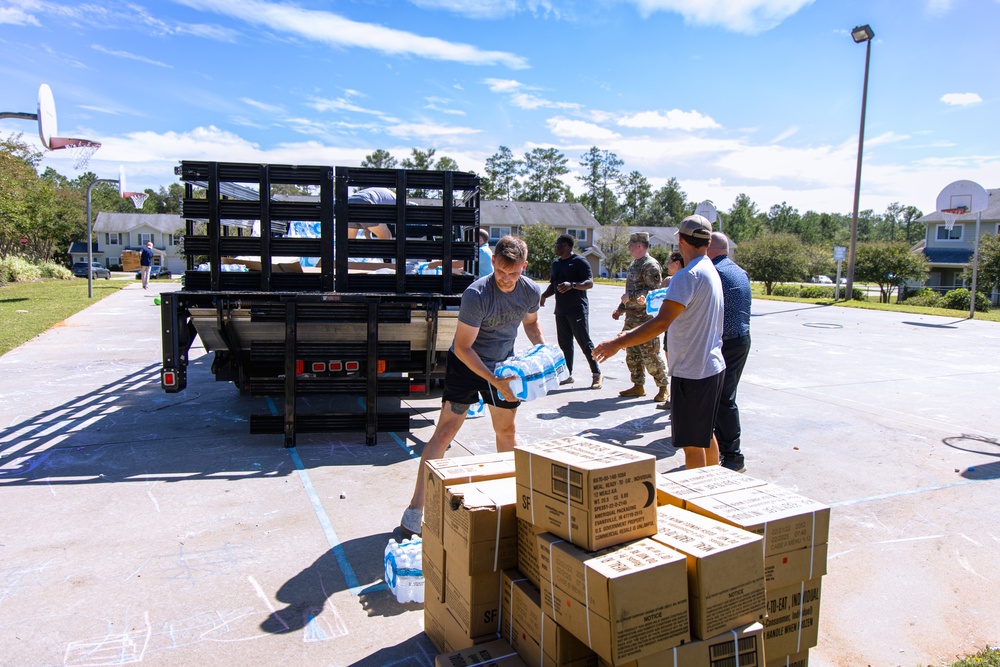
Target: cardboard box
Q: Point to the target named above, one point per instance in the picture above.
(792, 567)
(675, 488)
(474, 601)
(527, 550)
(444, 630)
(792, 623)
(786, 520)
(592, 494)
(433, 563)
(480, 526)
(624, 602)
(441, 473)
(718, 651)
(725, 570)
(537, 638)
(795, 660)
(497, 653)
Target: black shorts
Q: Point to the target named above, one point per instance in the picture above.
(693, 404)
(463, 387)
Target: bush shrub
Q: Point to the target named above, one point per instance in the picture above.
(816, 292)
(959, 299)
(57, 271)
(924, 297)
(785, 290)
(859, 295)
(15, 269)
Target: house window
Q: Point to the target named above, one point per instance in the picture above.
(578, 234)
(145, 238)
(954, 234)
(497, 233)
(175, 239)
(113, 238)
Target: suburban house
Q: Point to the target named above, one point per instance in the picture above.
(949, 251)
(116, 232)
(501, 218)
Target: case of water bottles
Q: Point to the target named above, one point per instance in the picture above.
(655, 299)
(404, 570)
(536, 371)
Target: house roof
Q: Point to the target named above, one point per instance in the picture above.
(126, 222)
(941, 256)
(991, 213)
(520, 213)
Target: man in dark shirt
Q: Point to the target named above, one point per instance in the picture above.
(735, 348)
(571, 278)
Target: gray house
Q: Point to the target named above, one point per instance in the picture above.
(949, 251)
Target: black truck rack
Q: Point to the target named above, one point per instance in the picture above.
(359, 322)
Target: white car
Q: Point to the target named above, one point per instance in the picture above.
(823, 280)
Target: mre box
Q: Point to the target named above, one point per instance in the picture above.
(623, 602)
(480, 526)
(496, 653)
(741, 647)
(441, 473)
(725, 567)
(592, 494)
(786, 520)
(679, 486)
(792, 623)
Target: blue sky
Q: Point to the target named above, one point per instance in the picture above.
(761, 97)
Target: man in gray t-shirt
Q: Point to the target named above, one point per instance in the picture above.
(492, 308)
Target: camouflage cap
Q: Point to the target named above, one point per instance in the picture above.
(639, 237)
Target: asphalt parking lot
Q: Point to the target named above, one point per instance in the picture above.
(145, 527)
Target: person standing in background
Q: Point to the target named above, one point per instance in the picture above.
(146, 263)
(735, 348)
(485, 254)
(675, 262)
(570, 280)
(643, 276)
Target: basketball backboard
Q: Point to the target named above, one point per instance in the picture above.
(48, 131)
(707, 210)
(963, 197)
(138, 198)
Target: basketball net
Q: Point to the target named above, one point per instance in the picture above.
(81, 150)
(950, 215)
(138, 198)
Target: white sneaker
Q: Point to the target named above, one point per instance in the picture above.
(412, 518)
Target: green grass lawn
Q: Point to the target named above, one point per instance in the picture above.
(28, 309)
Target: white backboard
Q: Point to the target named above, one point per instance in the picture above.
(707, 210)
(963, 194)
(47, 127)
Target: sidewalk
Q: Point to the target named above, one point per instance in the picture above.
(140, 525)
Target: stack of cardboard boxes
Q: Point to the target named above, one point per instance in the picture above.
(564, 553)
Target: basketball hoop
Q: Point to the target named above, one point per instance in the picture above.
(81, 149)
(138, 198)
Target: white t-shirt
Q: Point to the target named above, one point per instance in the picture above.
(694, 339)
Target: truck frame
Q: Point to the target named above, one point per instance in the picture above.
(357, 321)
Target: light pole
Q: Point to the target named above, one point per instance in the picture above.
(90, 243)
(862, 33)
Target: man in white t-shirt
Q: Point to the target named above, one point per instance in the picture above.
(692, 315)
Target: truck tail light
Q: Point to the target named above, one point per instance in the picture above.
(336, 366)
(169, 378)
(352, 366)
(318, 366)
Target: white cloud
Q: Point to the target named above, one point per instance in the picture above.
(14, 16)
(744, 16)
(579, 129)
(429, 130)
(328, 28)
(270, 108)
(488, 9)
(525, 100)
(130, 56)
(675, 119)
(961, 99)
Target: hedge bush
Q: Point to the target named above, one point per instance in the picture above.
(816, 292)
(785, 290)
(924, 297)
(960, 299)
(15, 269)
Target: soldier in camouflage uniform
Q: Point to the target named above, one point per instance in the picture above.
(643, 276)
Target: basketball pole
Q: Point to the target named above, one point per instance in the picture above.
(975, 267)
(90, 242)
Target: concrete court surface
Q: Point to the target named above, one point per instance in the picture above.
(142, 527)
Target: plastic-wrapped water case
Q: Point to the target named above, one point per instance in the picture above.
(476, 410)
(535, 371)
(425, 269)
(654, 299)
(404, 570)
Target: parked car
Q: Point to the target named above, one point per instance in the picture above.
(155, 272)
(97, 270)
(823, 280)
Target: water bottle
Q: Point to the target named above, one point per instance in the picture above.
(529, 373)
(404, 570)
(654, 299)
(425, 269)
(476, 410)
(553, 362)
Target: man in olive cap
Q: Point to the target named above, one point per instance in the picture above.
(644, 275)
(692, 315)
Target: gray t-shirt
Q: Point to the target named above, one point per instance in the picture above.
(497, 315)
(695, 336)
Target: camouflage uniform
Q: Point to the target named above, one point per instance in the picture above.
(643, 276)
